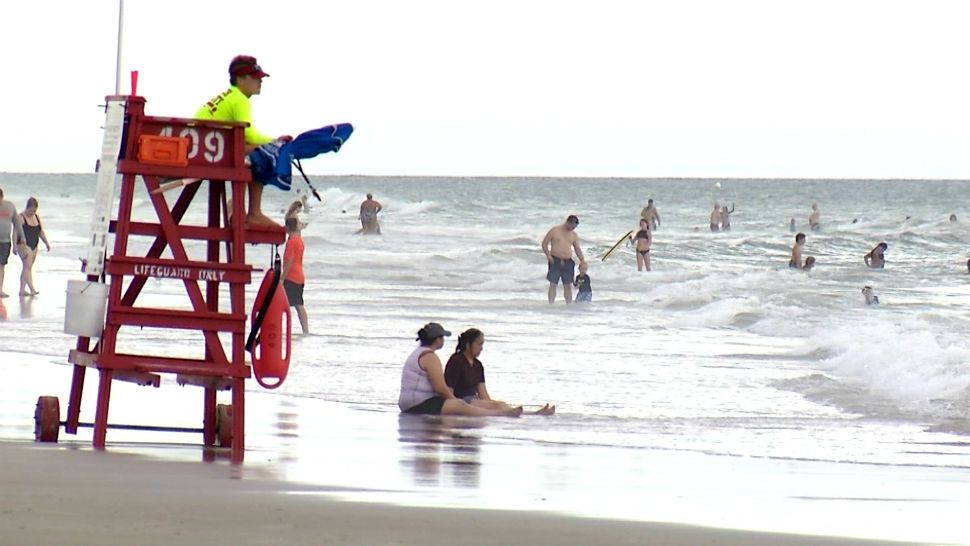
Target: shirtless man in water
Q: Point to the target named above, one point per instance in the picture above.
(650, 214)
(813, 218)
(558, 246)
(716, 218)
(368, 216)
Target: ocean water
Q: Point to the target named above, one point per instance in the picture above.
(721, 349)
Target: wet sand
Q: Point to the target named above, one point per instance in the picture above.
(57, 495)
(327, 473)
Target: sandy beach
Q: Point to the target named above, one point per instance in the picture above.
(325, 473)
(59, 495)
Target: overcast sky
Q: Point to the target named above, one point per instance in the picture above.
(680, 88)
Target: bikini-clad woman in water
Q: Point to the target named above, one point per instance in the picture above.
(643, 240)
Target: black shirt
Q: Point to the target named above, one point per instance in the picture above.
(462, 377)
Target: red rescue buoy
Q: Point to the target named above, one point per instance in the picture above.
(271, 347)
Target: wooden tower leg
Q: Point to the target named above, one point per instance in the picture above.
(101, 413)
(238, 420)
(74, 402)
(209, 418)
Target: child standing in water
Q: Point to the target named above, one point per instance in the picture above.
(582, 283)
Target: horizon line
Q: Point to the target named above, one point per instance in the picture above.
(587, 177)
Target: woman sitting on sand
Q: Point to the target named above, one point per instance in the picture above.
(423, 388)
(465, 374)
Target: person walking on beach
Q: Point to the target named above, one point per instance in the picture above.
(650, 214)
(11, 235)
(292, 274)
(245, 80)
(558, 246)
(796, 252)
(876, 258)
(643, 240)
(33, 233)
(716, 218)
(423, 387)
(368, 216)
(465, 374)
(813, 218)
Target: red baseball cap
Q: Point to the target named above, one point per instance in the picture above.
(245, 65)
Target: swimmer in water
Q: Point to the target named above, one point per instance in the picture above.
(876, 258)
(796, 252)
(871, 297)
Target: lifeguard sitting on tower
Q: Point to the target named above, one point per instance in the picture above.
(246, 80)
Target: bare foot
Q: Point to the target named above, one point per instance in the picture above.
(513, 412)
(546, 410)
(35, 292)
(261, 221)
(4, 295)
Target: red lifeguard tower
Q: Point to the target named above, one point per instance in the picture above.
(207, 159)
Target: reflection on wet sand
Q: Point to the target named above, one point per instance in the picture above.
(287, 429)
(437, 441)
(26, 307)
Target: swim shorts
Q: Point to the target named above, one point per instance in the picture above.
(431, 406)
(294, 292)
(4, 253)
(561, 270)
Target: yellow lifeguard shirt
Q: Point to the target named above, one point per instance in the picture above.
(233, 105)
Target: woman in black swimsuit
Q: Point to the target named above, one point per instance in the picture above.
(33, 233)
(643, 239)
